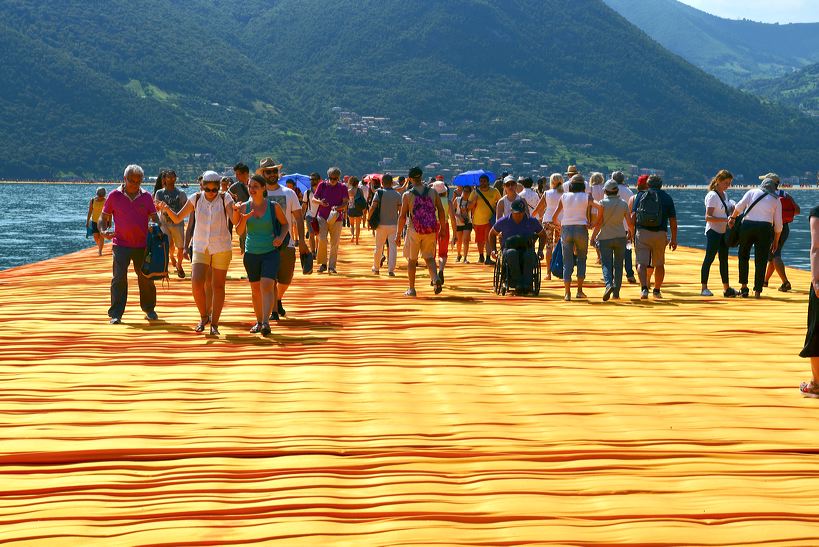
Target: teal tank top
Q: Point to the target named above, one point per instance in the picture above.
(260, 232)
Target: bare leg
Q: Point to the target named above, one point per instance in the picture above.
(659, 276)
(209, 291)
(412, 265)
(218, 278)
(199, 276)
(268, 288)
(814, 368)
(256, 295)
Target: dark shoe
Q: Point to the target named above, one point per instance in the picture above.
(489, 262)
(265, 330)
(410, 292)
(657, 294)
(383, 259)
(438, 285)
(115, 321)
(632, 280)
(729, 293)
(459, 258)
(757, 294)
(151, 316)
(607, 293)
(274, 315)
(616, 294)
(644, 294)
(764, 283)
(282, 312)
(481, 259)
(743, 292)
(180, 272)
(785, 287)
(441, 276)
(391, 274)
(322, 268)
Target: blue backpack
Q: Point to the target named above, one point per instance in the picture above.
(556, 266)
(157, 249)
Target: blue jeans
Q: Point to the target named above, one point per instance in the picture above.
(575, 243)
(123, 256)
(612, 252)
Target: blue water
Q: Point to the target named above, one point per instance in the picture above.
(46, 220)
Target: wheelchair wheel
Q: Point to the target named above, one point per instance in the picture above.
(496, 281)
(536, 279)
(501, 277)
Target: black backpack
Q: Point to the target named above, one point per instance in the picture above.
(650, 210)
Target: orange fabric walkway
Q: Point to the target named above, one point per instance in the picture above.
(372, 419)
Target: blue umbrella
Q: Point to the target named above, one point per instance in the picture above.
(470, 178)
(302, 181)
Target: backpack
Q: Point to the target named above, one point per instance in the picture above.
(424, 218)
(788, 207)
(650, 210)
(375, 213)
(157, 248)
(360, 202)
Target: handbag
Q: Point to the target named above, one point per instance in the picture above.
(732, 233)
(557, 260)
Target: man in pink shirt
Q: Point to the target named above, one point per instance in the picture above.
(131, 208)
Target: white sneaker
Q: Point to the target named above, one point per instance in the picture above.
(706, 292)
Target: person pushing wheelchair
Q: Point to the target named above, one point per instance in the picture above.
(518, 231)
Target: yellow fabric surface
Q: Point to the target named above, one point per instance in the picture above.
(367, 418)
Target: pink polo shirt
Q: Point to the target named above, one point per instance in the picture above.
(130, 217)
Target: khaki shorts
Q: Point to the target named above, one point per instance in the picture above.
(217, 261)
(175, 232)
(650, 247)
(420, 244)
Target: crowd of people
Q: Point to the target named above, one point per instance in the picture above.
(564, 214)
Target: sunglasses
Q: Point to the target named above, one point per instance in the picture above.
(333, 178)
(211, 190)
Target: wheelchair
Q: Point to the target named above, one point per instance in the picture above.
(501, 279)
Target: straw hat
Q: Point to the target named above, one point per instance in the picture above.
(268, 163)
(572, 171)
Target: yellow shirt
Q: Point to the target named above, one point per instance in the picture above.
(96, 209)
(483, 214)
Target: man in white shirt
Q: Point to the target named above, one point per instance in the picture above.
(761, 224)
(289, 202)
(530, 197)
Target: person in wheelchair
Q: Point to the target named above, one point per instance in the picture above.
(518, 231)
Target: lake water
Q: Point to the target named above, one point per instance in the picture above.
(46, 220)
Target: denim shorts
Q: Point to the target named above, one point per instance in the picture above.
(264, 265)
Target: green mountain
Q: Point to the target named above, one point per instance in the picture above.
(799, 89)
(736, 51)
(195, 84)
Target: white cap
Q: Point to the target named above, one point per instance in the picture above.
(509, 178)
(211, 176)
(439, 187)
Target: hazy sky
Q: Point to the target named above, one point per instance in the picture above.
(768, 11)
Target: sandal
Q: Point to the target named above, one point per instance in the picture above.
(809, 389)
(410, 292)
(214, 330)
(265, 330)
(200, 327)
(255, 328)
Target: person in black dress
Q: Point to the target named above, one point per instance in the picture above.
(811, 349)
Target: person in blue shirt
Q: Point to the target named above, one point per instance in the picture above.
(518, 231)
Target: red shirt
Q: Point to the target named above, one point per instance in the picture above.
(335, 196)
(130, 217)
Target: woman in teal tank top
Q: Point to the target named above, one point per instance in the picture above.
(266, 228)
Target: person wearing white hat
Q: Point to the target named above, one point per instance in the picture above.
(211, 244)
(510, 194)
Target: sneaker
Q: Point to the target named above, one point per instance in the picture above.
(481, 259)
(438, 285)
(567, 297)
(410, 292)
(274, 315)
(607, 293)
(322, 268)
(441, 276)
(115, 321)
(706, 292)
(391, 274)
(785, 287)
(282, 311)
(743, 292)
(632, 280)
(489, 262)
(729, 293)
(332, 271)
(466, 261)
(459, 258)
(809, 389)
(151, 316)
(657, 294)
(580, 294)
(757, 294)
(644, 294)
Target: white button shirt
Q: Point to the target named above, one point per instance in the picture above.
(210, 233)
(769, 209)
